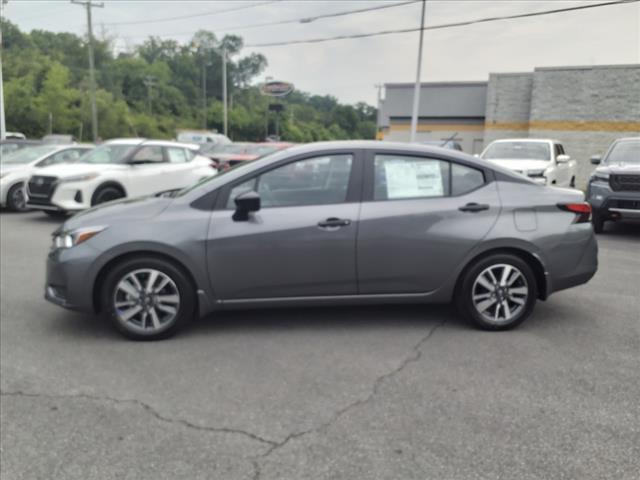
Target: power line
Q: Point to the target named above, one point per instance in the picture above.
(441, 26)
(203, 14)
(303, 20)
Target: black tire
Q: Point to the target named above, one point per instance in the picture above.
(16, 199)
(598, 222)
(105, 194)
(572, 183)
(60, 214)
(185, 288)
(465, 291)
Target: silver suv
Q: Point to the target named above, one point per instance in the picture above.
(335, 223)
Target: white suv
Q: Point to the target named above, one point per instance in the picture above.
(117, 169)
(18, 166)
(542, 160)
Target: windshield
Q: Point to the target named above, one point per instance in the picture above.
(28, 155)
(624, 152)
(108, 153)
(518, 151)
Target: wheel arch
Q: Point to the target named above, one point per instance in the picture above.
(98, 284)
(531, 259)
(107, 183)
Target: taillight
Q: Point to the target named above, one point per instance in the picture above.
(582, 211)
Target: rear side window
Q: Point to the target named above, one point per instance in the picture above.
(177, 155)
(398, 177)
(465, 179)
(149, 154)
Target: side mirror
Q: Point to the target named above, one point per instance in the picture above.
(246, 203)
(596, 159)
(563, 158)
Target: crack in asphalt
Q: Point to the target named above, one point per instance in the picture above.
(148, 408)
(414, 356)
(274, 445)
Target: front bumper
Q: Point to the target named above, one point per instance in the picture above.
(65, 197)
(69, 279)
(613, 205)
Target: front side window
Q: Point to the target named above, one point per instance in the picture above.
(397, 176)
(149, 154)
(107, 153)
(313, 181)
(65, 156)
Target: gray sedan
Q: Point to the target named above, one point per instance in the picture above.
(335, 223)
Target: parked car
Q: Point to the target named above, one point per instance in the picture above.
(117, 169)
(614, 186)
(17, 167)
(542, 160)
(451, 144)
(15, 135)
(359, 222)
(231, 156)
(202, 137)
(11, 145)
(59, 139)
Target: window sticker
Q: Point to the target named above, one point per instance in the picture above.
(413, 179)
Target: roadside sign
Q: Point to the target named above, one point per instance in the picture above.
(276, 88)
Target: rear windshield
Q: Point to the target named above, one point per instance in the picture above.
(518, 151)
(624, 152)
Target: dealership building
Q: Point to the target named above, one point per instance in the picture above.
(586, 108)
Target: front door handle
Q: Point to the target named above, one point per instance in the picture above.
(334, 223)
(474, 207)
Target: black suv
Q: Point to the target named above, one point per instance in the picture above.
(614, 186)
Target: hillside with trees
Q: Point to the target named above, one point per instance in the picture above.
(47, 88)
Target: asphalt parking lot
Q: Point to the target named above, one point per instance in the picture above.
(349, 393)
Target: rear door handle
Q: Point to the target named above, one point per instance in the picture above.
(474, 207)
(334, 223)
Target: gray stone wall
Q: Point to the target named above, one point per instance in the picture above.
(586, 108)
(508, 105)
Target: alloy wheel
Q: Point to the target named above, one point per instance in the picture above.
(146, 300)
(500, 293)
(18, 199)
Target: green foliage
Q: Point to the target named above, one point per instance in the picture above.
(47, 86)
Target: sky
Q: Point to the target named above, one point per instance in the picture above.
(350, 69)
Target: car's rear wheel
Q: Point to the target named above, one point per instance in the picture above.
(16, 199)
(148, 298)
(106, 194)
(497, 292)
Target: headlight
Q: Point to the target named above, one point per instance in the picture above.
(75, 237)
(79, 178)
(600, 177)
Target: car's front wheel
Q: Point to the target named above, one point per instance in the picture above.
(16, 199)
(497, 292)
(148, 298)
(106, 194)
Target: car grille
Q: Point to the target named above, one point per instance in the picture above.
(625, 183)
(626, 204)
(40, 189)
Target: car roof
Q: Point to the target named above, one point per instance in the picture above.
(162, 143)
(526, 140)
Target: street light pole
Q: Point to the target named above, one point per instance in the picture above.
(3, 126)
(416, 90)
(150, 82)
(89, 4)
(224, 91)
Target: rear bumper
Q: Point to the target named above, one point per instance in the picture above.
(580, 268)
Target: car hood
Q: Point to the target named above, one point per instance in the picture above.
(127, 209)
(72, 169)
(9, 168)
(520, 164)
(619, 168)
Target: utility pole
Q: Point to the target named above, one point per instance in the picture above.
(150, 82)
(89, 4)
(224, 91)
(3, 126)
(416, 90)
